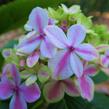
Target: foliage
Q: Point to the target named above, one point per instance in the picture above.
(100, 101)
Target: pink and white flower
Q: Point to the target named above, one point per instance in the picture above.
(54, 90)
(36, 38)
(85, 83)
(67, 60)
(20, 93)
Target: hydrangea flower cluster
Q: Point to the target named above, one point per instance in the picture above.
(55, 54)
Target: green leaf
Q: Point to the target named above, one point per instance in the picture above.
(82, 19)
(4, 104)
(70, 103)
(40, 104)
(57, 14)
(100, 101)
(100, 77)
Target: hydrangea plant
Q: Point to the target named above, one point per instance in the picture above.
(57, 56)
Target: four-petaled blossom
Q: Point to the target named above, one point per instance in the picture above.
(20, 92)
(54, 90)
(67, 61)
(105, 59)
(85, 83)
(36, 38)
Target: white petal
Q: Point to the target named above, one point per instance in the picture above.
(76, 34)
(56, 36)
(76, 65)
(60, 65)
(87, 52)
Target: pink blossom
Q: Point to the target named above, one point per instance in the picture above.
(85, 83)
(54, 90)
(20, 93)
(67, 60)
(36, 38)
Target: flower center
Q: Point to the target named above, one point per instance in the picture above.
(71, 49)
(42, 36)
(16, 89)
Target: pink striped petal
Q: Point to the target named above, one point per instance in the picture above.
(53, 91)
(86, 86)
(90, 70)
(18, 102)
(105, 60)
(76, 65)
(47, 49)
(33, 59)
(11, 70)
(56, 36)
(76, 34)
(30, 93)
(87, 52)
(70, 87)
(29, 44)
(60, 65)
(38, 19)
(6, 89)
